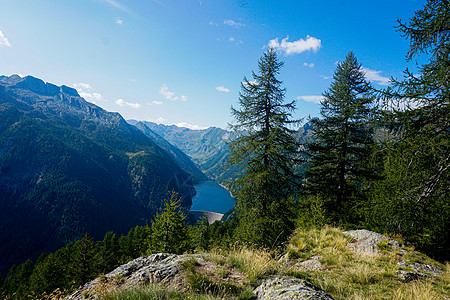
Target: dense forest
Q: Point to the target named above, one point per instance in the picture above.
(378, 159)
(68, 167)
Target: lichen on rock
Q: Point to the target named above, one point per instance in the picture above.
(277, 287)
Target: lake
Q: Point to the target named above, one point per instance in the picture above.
(212, 197)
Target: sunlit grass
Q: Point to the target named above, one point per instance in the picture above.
(253, 262)
(348, 275)
(153, 292)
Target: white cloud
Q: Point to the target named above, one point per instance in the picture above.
(164, 90)
(118, 21)
(116, 4)
(122, 102)
(311, 98)
(82, 86)
(190, 126)
(232, 39)
(325, 77)
(222, 89)
(155, 103)
(309, 65)
(4, 41)
(213, 23)
(374, 76)
(233, 23)
(296, 47)
(253, 82)
(86, 91)
(159, 120)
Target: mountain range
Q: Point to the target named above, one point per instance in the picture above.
(68, 167)
(207, 148)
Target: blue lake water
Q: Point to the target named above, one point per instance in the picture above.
(212, 197)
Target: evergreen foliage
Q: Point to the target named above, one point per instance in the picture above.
(343, 143)
(413, 200)
(169, 231)
(267, 150)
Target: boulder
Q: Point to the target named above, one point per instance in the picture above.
(366, 241)
(158, 268)
(420, 271)
(277, 287)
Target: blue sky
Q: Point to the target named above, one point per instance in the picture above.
(182, 61)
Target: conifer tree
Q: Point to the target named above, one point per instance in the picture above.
(343, 140)
(84, 259)
(169, 233)
(267, 149)
(413, 199)
(108, 252)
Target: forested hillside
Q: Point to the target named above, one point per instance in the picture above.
(68, 167)
(207, 148)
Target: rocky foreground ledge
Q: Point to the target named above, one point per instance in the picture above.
(167, 271)
(170, 271)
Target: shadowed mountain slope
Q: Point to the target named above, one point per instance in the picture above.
(68, 167)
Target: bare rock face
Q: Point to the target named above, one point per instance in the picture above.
(312, 264)
(158, 268)
(419, 271)
(286, 288)
(366, 241)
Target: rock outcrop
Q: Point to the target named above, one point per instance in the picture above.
(168, 271)
(286, 288)
(412, 271)
(366, 241)
(161, 268)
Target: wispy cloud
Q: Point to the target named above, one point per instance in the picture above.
(86, 91)
(116, 4)
(375, 76)
(164, 90)
(311, 98)
(118, 21)
(222, 89)
(296, 47)
(308, 65)
(4, 41)
(159, 120)
(234, 24)
(190, 126)
(155, 103)
(325, 77)
(122, 102)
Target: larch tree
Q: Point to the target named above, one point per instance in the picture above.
(342, 144)
(413, 200)
(267, 149)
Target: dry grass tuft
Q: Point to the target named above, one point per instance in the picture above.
(255, 263)
(363, 275)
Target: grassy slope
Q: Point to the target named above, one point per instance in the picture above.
(343, 274)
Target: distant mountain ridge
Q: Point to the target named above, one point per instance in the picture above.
(179, 156)
(68, 167)
(207, 148)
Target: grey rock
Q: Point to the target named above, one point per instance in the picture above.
(312, 264)
(366, 241)
(277, 287)
(158, 268)
(421, 271)
(406, 276)
(422, 268)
